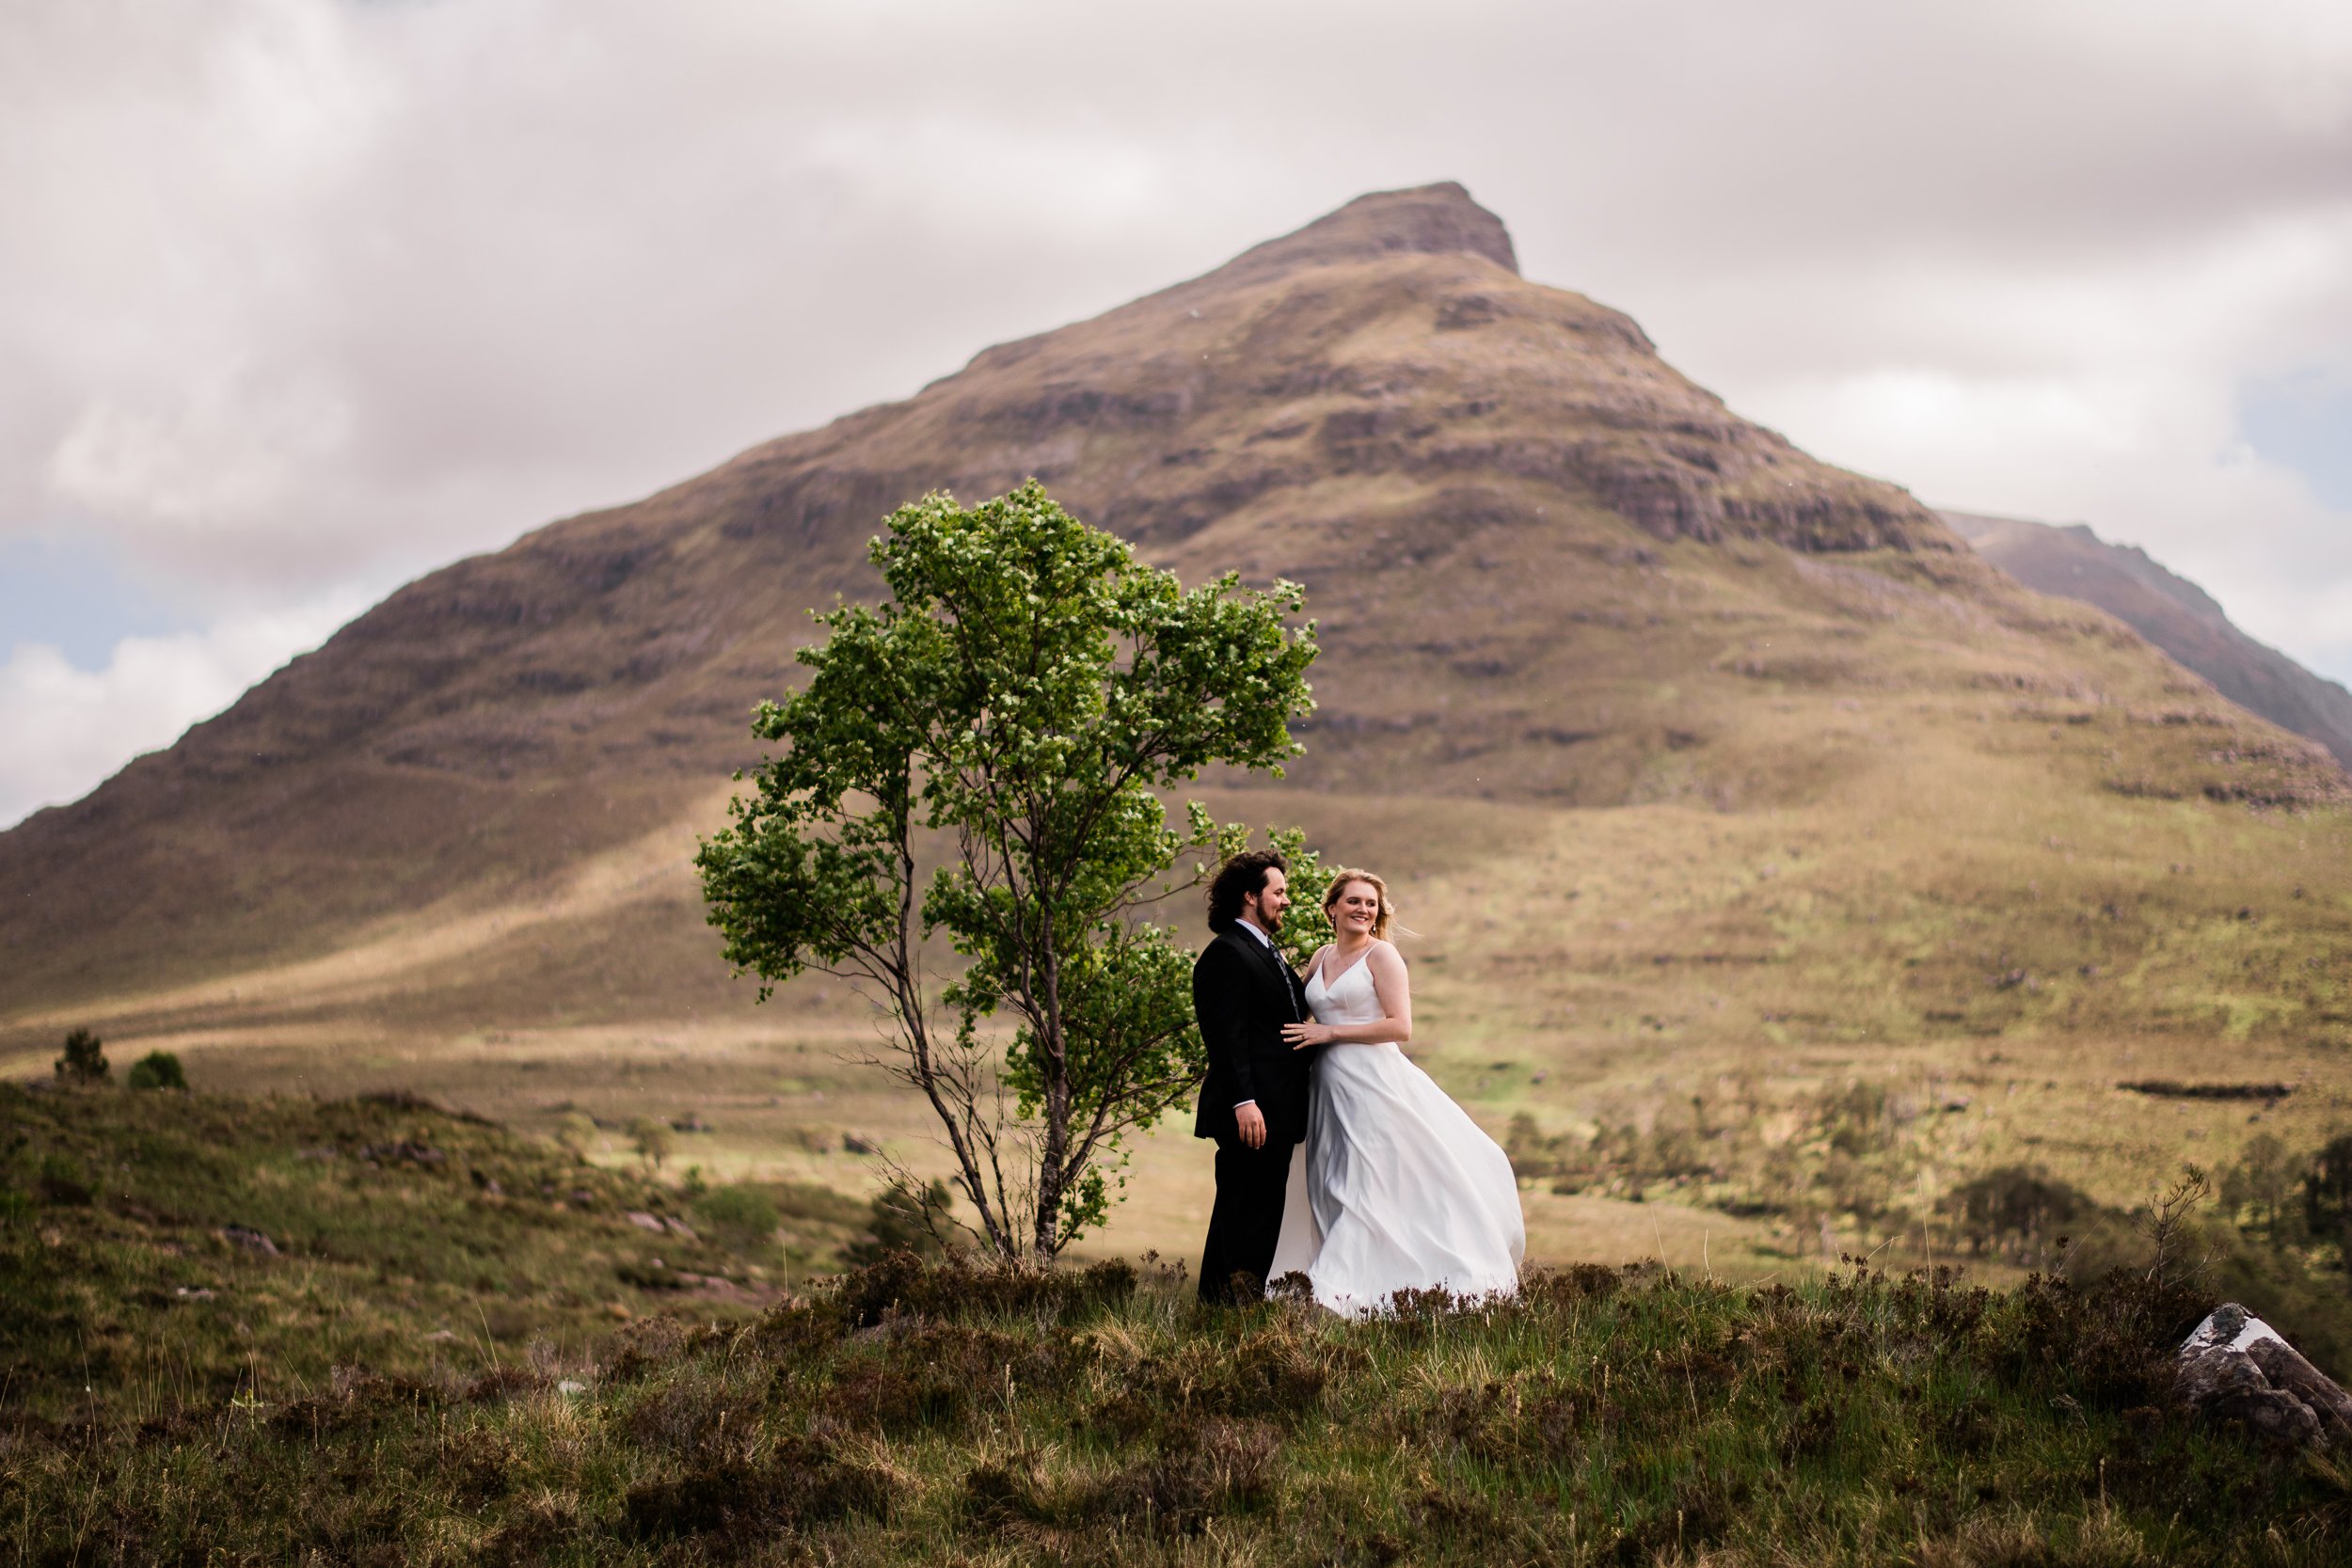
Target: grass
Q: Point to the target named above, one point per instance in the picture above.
(160, 1250)
(463, 1344)
(906, 1414)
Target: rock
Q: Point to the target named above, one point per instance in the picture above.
(195, 1292)
(2236, 1367)
(719, 1287)
(644, 1221)
(676, 1227)
(322, 1152)
(440, 1337)
(405, 1152)
(249, 1239)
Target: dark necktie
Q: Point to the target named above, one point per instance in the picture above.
(1281, 975)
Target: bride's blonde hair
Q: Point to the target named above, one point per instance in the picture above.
(1383, 921)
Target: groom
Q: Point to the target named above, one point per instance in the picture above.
(1255, 1104)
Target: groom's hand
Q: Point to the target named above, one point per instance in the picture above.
(1253, 1124)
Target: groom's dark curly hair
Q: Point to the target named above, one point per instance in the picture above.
(1236, 879)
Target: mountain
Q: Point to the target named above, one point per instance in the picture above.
(1553, 578)
(2169, 612)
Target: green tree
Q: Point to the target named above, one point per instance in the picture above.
(157, 1070)
(2259, 1190)
(652, 1140)
(84, 1061)
(978, 758)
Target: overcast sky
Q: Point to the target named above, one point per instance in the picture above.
(299, 298)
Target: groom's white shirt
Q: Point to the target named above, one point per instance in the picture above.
(1246, 925)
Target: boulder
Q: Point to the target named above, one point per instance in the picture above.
(251, 1240)
(2236, 1367)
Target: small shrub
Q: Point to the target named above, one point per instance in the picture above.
(1202, 1471)
(879, 1395)
(82, 1062)
(955, 1289)
(904, 1220)
(157, 1070)
(576, 1133)
(61, 1182)
(740, 1217)
(799, 1481)
(694, 1418)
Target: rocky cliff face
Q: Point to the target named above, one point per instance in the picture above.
(1548, 569)
(2169, 612)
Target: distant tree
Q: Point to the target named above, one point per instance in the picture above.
(82, 1062)
(2327, 1192)
(2017, 1206)
(2261, 1186)
(1014, 708)
(157, 1070)
(652, 1140)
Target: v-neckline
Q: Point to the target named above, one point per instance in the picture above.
(1351, 968)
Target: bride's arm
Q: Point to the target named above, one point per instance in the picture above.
(1389, 983)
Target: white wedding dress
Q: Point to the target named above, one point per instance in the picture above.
(1398, 1189)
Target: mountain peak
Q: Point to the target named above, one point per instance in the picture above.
(1435, 220)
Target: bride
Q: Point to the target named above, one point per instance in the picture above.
(1399, 1189)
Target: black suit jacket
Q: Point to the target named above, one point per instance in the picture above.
(1243, 993)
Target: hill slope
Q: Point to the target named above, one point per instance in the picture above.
(1511, 514)
(2169, 612)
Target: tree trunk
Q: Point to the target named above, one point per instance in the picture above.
(1054, 1046)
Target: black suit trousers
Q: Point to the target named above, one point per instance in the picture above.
(1247, 1221)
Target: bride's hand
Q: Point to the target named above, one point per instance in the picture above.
(1301, 1036)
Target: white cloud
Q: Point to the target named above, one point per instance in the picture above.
(68, 729)
(217, 458)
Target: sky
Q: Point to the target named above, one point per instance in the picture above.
(302, 298)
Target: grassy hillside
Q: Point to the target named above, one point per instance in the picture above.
(1937, 930)
(160, 1250)
(901, 1415)
(464, 1346)
(2171, 612)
